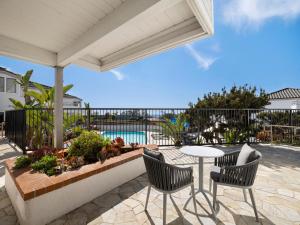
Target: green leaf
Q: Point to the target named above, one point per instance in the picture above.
(67, 88)
(40, 98)
(40, 88)
(16, 104)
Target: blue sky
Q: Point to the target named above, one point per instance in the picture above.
(255, 42)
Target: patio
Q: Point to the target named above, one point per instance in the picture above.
(277, 195)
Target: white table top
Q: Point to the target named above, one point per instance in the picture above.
(202, 151)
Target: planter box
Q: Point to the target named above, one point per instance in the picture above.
(39, 199)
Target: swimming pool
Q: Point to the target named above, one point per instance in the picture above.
(128, 136)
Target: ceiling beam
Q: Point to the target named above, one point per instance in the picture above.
(89, 62)
(127, 11)
(203, 11)
(170, 38)
(21, 50)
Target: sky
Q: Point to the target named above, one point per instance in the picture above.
(256, 42)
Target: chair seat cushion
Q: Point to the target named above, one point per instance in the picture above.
(215, 176)
(154, 154)
(244, 155)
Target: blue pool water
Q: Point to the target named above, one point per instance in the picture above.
(128, 136)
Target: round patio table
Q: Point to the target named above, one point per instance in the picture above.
(202, 152)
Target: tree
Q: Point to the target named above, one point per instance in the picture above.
(44, 97)
(24, 82)
(222, 115)
(174, 128)
(243, 97)
(39, 116)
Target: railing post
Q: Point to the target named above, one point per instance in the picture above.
(248, 126)
(15, 127)
(271, 134)
(23, 141)
(291, 118)
(146, 127)
(89, 118)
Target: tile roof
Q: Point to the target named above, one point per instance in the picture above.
(285, 93)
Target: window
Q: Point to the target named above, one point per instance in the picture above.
(76, 104)
(10, 85)
(1, 84)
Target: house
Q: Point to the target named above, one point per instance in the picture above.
(10, 88)
(287, 98)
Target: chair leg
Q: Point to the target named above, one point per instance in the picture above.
(164, 209)
(194, 197)
(245, 195)
(210, 184)
(253, 203)
(214, 195)
(147, 199)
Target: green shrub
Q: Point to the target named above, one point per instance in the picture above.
(46, 164)
(233, 135)
(51, 172)
(88, 144)
(22, 162)
(73, 133)
(230, 136)
(77, 131)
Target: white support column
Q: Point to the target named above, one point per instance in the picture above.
(58, 108)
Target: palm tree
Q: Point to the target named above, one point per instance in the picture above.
(44, 98)
(40, 120)
(24, 82)
(174, 128)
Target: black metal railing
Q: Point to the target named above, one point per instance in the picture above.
(15, 127)
(33, 128)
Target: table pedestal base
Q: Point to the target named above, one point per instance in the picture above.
(204, 193)
(202, 152)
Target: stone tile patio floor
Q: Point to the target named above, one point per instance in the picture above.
(276, 189)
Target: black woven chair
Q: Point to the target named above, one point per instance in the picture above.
(167, 178)
(230, 174)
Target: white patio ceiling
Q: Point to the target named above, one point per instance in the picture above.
(99, 34)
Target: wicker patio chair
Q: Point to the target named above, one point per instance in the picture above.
(239, 176)
(166, 178)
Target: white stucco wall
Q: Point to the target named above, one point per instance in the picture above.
(69, 103)
(5, 104)
(284, 104)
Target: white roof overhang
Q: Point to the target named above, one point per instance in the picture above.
(99, 34)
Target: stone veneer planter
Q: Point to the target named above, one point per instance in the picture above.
(39, 199)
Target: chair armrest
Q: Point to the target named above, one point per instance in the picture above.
(228, 159)
(239, 175)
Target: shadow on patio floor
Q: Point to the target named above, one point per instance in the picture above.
(246, 219)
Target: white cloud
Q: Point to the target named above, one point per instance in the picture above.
(204, 62)
(118, 74)
(215, 47)
(244, 14)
